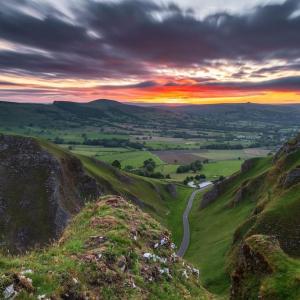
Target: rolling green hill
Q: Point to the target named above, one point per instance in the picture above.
(246, 231)
(61, 115)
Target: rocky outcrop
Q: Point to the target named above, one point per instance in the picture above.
(212, 195)
(125, 254)
(252, 266)
(248, 165)
(39, 191)
(239, 196)
(289, 147)
(291, 178)
(172, 189)
(248, 191)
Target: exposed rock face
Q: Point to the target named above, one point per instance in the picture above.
(212, 195)
(248, 190)
(38, 192)
(287, 148)
(291, 178)
(252, 266)
(248, 165)
(171, 188)
(239, 197)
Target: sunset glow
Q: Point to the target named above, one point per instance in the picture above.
(86, 50)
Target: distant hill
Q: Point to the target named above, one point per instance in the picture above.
(284, 114)
(107, 112)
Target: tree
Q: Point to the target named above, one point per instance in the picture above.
(157, 175)
(58, 140)
(128, 168)
(183, 169)
(221, 178)
(116, 164)
(149, 165)
(196, 166)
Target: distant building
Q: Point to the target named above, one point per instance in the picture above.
(204, 184)
(192, 184)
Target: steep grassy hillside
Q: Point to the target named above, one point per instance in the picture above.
(107, 252)
(39, 191)
(42, 186)
(263, 198)
(164, 201)
(264, 271)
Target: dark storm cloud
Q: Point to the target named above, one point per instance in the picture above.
(280, 84)
(113, 40)
(7, 83)
(140, 85)
(268, 31)
(66, 65)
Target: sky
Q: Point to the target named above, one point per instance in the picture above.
(180, 51)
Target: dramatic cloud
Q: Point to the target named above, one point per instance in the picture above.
(280, 84)
(148, 46)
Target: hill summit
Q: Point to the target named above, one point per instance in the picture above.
(110, 250)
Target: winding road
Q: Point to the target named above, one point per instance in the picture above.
(186, 225)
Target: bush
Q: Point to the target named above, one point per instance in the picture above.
(194, 166)
(116, 164)
(149, 165)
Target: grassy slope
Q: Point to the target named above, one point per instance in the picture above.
(81, 262)
(127, 157)
(220, 229)
(130, 158)
(213, 229)
(151, 194)
(154, 193)
(281, 283)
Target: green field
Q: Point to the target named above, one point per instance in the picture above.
(68, 135)
(223, 163)
(231, 154)
(212, 170)
(135, 158)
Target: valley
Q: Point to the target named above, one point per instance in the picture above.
(252, 205)
(150, 150)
